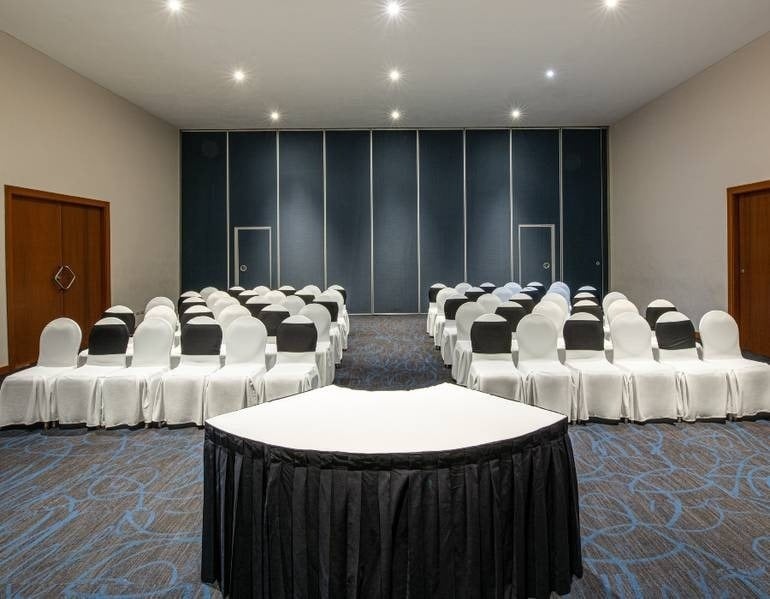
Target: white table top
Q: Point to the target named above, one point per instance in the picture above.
(351, 421)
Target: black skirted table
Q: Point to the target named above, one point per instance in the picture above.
(438, 492)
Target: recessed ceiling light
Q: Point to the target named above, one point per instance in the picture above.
(610, 3)
(239, 75)
(394, 75)
(515, 113)
(395, 115)
(275, 115)
(393, 8)
(174, 5)
(550, 74)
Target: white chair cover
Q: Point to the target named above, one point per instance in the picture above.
(159, 301)
(610, 298)
(489, 302)
(558, 299)
(295, 369)
(503, 293)
(229, 315)
(128, 396)
(313, 289)
(650, 386)
(619, 307)
(294, 304)
(76, 393)
(335, 330)
(513, 286)
(449, 331)
(554, 313)
(275, 297)
(246, 295)
(461, 288)
(599, 386)
(238, 384)
(214, 297)
(342, 319)
(562, 291)
(25, 396)
(463, 352)
(324, 352)
(223, 303)
(262, 289)
(164, 313)
(205, 292)
(182, 394)
(271, 316)
(589, 288)
(749, 380)
(438, 324)
(492, 369)
(703, 387)
(548, 384)
(432, 307)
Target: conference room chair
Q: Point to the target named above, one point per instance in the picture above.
(313, 289)
(206, 292)
(25, 396)
(229, 315)
(213, 298)
(123, 313)
(222, 303)
(534, 294)
(167, 314)
(588, 288)
(235, 291)
(295, 368)
(554, 313)
(749, 380)
(432, 308)
(599, 386)
(193, 312)
(461, 288)
(610, 298)
(583, 306)
(489, 302)
(343, 307)
(655, 309)
(341, 289)
(547, 382)
(503, 293)
(128, 396)
(513, 312)
(272, 316)
(343, 321)
(192, 301)
(159, 301)
(275, 297)
(449, 334)
(703, 387)
(184, 296)
(492, 369)
(262, 289)
(651, 388)
(324, 352)
(538, 287)
(182, 392)
(474, 293)
(585, 296)
(621, 306)
(513, 286)
(75, 397)
(462, 355)
(238, 384)
(287, 290)
(335, 331)
(294, 304)
(488, 287)
(438, 324)
(524, 300)
(246, 295)
(256, 304)
(307, 296)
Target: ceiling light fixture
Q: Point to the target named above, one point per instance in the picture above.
(395, 115)
(393, 8)
(275, 115)
(516, 113)
(394, 75)
(550, 74)
(611, 3)
(174, 5)
(239, 75)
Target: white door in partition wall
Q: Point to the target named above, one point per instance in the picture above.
(537, 253)
(253, 256)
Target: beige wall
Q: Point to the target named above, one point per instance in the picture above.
(62, 133)
(671, 162)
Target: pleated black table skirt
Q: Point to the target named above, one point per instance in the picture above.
(498, 520)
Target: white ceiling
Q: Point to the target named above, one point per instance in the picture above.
(324, 63)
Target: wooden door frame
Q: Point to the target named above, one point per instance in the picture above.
(12, 193)
(733, 243)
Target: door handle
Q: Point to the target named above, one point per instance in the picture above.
(66, 284)
(546, 265)
(243, 268)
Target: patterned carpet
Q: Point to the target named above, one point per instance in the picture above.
(666, 510)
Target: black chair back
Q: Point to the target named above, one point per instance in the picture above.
(491, 337)
(584, 334)
(201, 339)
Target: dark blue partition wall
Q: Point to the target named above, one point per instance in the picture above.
(203, 219)
(582, 206)
(253, 193)
(535, 168)
(348, 223)
(441, 210)
(301, 208)
(394, 184)
(488, 206)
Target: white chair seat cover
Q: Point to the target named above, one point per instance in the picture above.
(83, 355)
(290, 378)
(233, 387)
(324, 360)
(704, 389)
(749, 385)
(438, 329)
(548, 385)
(496, 374)
(448, 340)
(128, 396)
(336, 340)
(76, 394)
(183, 390)
(461, 361)
(432, 312)
(25, 397)
(271, 354)
(651, 390)
(599, 389)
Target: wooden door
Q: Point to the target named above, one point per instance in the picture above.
(754, 271)
(48, 235)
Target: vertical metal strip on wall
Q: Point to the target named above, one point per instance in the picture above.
(510, 191)
(465, 214)
(278, 205)
(561, 209)
(326, 275)
(371, 220)
(419, 260)
(227, 201)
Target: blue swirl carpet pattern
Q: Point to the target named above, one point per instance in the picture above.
(666, 510)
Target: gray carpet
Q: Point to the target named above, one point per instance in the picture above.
(666, 510)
